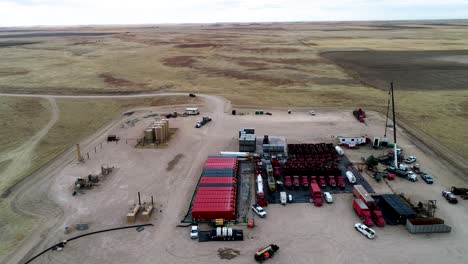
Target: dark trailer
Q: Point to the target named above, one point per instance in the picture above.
(395, 211)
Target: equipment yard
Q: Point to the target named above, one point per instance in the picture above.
(170, 173)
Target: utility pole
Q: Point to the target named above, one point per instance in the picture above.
(394, 127)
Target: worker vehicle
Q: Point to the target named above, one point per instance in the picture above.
(427, 178)
(328, 197)
(312, 113)
(331, 181)
(362, 211)
(296, 182)
(365, 230)
(411, 176)
(463, 192)
(203, 122)
(265, 253)
(192, 95)
(287, 181)
(322, 182)
(416, 168)
(340, 182)
(194, 232)
(316, 194)
(450, 197)
(283, 198)
(410, 159)
(305, 182)
(259, 210)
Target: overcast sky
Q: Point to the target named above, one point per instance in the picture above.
(85, 12)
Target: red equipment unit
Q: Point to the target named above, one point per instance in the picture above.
(287, 181)
(305, 181)
(316, 194)
(313, 179)
(363, 212)
(322, 182)
(331, 181)
(376, 215)
(296, 182)
(216, 194)
(340, 182)
(360, 115)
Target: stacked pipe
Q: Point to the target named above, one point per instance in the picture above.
(217, 189)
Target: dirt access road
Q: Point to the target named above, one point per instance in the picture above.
(306, 234)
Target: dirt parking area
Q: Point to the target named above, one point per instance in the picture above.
(410, 70)
(305, 233)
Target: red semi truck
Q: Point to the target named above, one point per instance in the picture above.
(340, 182)
(322, 182)
(376, 215)
(363, 212)
(331, 181)
(316, 194)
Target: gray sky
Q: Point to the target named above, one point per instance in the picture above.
(84, 12)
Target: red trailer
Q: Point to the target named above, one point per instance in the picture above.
(331, 181)
(363, 212)
(376, 215)
(340, 182)
(305, 181)
(322, 182)
(287, 181)
(316, 194)
(296, 182)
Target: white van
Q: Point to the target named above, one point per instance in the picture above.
(328, 197)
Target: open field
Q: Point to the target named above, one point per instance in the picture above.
(276, 65)
(411, 70)
(319, 234)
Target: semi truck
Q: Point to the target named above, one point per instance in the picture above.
(316, 194)
(363, 212)
(261, 199)
(322, 182)
(376, 215)
(340, 182)
(265, 253)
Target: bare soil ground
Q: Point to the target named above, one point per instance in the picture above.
(410, 70)
(305, 233)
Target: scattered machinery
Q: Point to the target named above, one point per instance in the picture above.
(92, 179)
(360, 115)
(463, 192)
(265, 253)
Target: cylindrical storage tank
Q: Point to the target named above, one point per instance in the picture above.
(159, 134)
(224, 231)
(166, 122)
(339, 150)
(351, 177)
(218, 231)
(229, 232)
(149, 137)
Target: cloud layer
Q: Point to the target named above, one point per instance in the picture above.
(83, 12)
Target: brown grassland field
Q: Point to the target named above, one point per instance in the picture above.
(268, 65)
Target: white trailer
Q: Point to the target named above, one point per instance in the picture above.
(351, 141)
(283, 198)
(339, 150)
(192, 111)
(351, 177)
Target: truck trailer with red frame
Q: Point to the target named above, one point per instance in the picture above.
(376, 215)
(261, 198)
(316, 194)
(363, 212)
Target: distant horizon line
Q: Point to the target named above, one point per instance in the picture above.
(229, 22)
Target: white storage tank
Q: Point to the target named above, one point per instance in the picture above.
(351, 177)
(339, 150)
